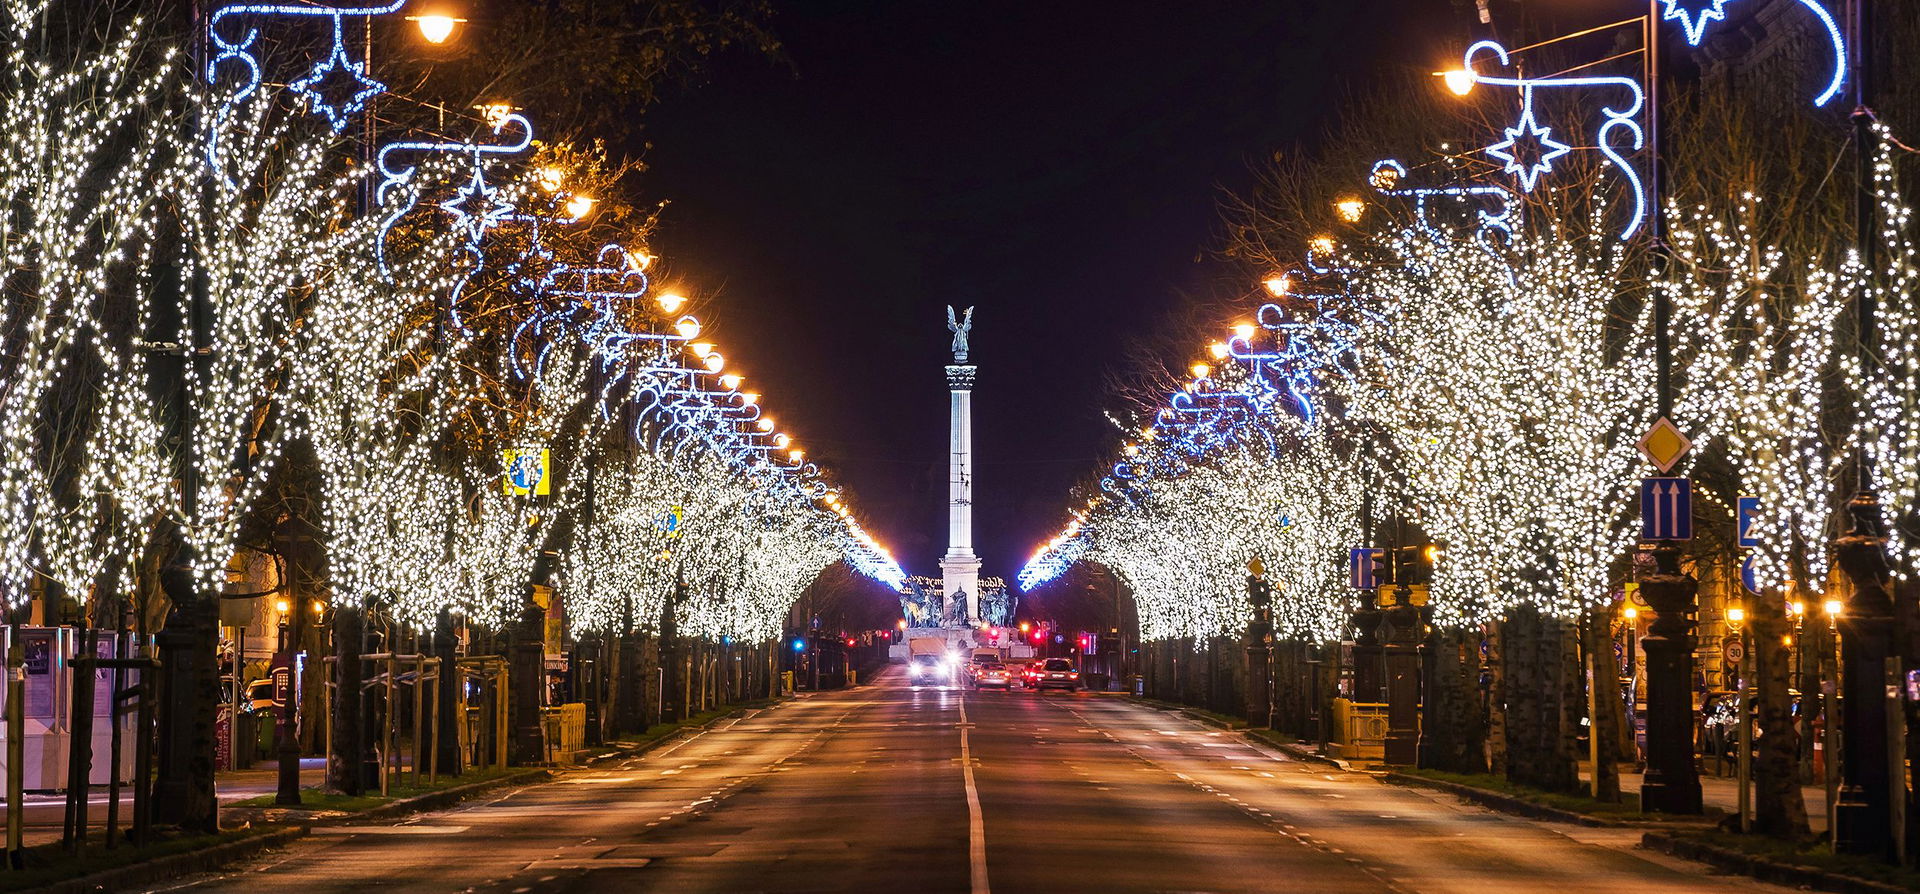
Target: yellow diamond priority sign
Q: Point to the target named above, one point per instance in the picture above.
(1664, 444)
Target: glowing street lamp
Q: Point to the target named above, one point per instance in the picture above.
(701, 349)
(1278, 285)
(1458, 80)
(1201, 370)
(730, 381)
(1244, 331)
(1350, 209)
(670, 302)
(436, 29)
(1218, 350)
(579, 206)
(688, 327)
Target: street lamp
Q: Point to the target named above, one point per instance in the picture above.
(434, 28)
(1350, 209)
(1458, 80)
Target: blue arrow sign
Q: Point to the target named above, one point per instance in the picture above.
(1749, 576)
(1363, 567)
(1666, 509)
(1746, 513)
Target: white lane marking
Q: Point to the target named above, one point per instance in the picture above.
(388, 830)
(976, 823)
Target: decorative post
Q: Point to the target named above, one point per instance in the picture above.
(1672, 781)
(1863, 810)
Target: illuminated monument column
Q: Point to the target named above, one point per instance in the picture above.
(960, 568)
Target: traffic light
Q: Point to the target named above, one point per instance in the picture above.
(1413, 565)
(1259, 593)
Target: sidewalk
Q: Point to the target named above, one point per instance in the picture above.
(1722, 793)
(46, 812)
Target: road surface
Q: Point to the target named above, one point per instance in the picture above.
(896, 788)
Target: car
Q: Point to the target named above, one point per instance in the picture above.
(1057, 673)
(995, 674)
(928, 669)
(978, 658)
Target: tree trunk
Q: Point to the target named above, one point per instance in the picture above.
(347, 752)
(447, 757)
(1780, 809)
(1498, 754)
(1609, 710)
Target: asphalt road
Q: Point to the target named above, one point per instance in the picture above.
(921, 789)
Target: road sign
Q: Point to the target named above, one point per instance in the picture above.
(527, 471)
(1364, 566)
(1664, 444)
(1750, 576)
(1746, 512)
(1666, 509)
(1735, 650)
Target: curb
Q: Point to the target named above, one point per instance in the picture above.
(173, 866)
(1763, 868)
(1303, 753)
(446, 797)
(1505, 803)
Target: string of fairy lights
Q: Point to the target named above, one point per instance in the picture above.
(1484, 375)
(213, 222)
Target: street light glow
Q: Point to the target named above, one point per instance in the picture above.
(552, 178)
(1218, 350)
(1834, 608)
(1278, 285)
(436, 29)
(730, 381)
(688, 327)
(1350, 209)
(1459, 80)
(580, 206)
(701, 349)
(1201, 370)
(1244, 331)
(671, 302)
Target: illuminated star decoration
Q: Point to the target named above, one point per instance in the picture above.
(1548, 148)
(474, 208)
(363, 87)
(1694, 20)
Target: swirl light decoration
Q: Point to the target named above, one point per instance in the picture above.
(241, 52)
(1697, 16)
(1494, 209)
(1620, 124)
(474, 206)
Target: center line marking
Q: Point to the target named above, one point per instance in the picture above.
(976, 823)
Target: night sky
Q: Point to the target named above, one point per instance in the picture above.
(1056, 164)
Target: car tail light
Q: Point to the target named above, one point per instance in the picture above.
(1074, 676)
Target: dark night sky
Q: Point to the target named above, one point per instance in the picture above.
(1054, 163)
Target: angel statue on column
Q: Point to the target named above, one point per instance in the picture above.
(959, 327)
